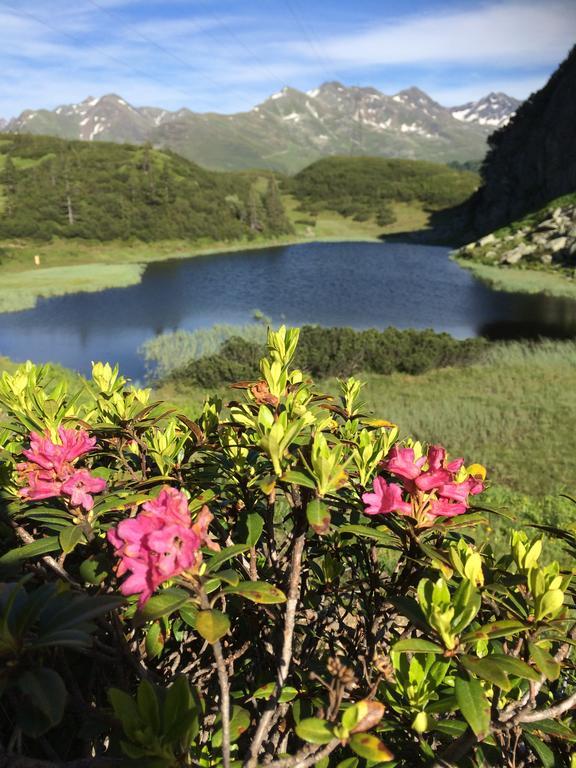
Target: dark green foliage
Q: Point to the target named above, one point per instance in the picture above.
(324, 352)
(102, 191)
(238, 359)
(362, 187)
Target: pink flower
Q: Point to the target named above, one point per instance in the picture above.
(436, 457)
(171, 505)
(401, 462)
(75, 442)
(42, 483)
(159, 543)
(79, 487)
(447, 508)
(50, 455)
(436, 478)
(386, 498)
(50, 472)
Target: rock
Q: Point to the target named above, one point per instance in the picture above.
(546, 225)
(557, 214)
(487, 240)
(492, 255)
(546, 258)
(539, 240)
(557, 244)
(516, 254)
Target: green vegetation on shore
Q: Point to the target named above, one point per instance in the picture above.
(521, 280)
(364, 188)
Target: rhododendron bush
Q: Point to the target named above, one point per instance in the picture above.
(285, 581)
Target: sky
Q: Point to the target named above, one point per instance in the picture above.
(223, 56)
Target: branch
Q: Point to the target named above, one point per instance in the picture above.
(224, 687)
(286, 657)
(53, 564)
(545, 714)
(306, 757)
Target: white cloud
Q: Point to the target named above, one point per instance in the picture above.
(501, 33)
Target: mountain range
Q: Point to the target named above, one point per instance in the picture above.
(290, 129)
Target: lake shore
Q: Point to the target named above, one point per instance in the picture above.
(514, 280)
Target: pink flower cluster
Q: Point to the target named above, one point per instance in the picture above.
(159, 543)
(429, 486)
(50, 469)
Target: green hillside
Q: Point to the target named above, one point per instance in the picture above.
(365, 187)
(102, 191)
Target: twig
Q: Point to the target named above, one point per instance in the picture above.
(546, 714)
(53, 564)
(308, 756)
(224, 687)
(286, 657)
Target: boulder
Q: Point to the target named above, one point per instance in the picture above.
(557, 244)
(546, 258)
(487, 240)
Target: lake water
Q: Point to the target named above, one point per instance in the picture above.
(362, 285)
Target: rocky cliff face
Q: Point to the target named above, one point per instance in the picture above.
(532, 160)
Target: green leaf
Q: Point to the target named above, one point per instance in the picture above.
(474, 705)
(298, 478)
(494, 630)
(544, 661)
(370, 748)
(318, 516)
(367, 532)
(314, 730)
(516, 667)
(43, 701)
(239, 722)
(126, 711)
(255, 526)
(148, 707)
(70, 537)
(257, 591)
(154, 640)
(487, 669)
(212, 625)
(416, 645)
(34, 549)
(266, 691)
(545, 754)
(164, 604)
(226, 554)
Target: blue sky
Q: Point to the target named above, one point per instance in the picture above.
(227, 56)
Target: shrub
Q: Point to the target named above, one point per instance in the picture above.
(283, 583)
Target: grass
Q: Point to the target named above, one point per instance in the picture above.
(20, 290)
(514, 280)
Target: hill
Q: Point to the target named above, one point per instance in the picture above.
(532, 160)
(362, 187)
(290, 129)
(103, 191)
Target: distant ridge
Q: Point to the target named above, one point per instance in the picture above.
(290, 129)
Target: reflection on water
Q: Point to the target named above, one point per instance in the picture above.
(362, 285)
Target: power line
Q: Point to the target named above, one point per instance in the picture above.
(307, 34)
(150, 41)
(83, 44)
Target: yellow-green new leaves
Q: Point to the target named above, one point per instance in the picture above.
(467, 562)
(328, 465)
(448, 614)
(371, 447)
(276, 435)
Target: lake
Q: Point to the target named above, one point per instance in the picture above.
(362, 285)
